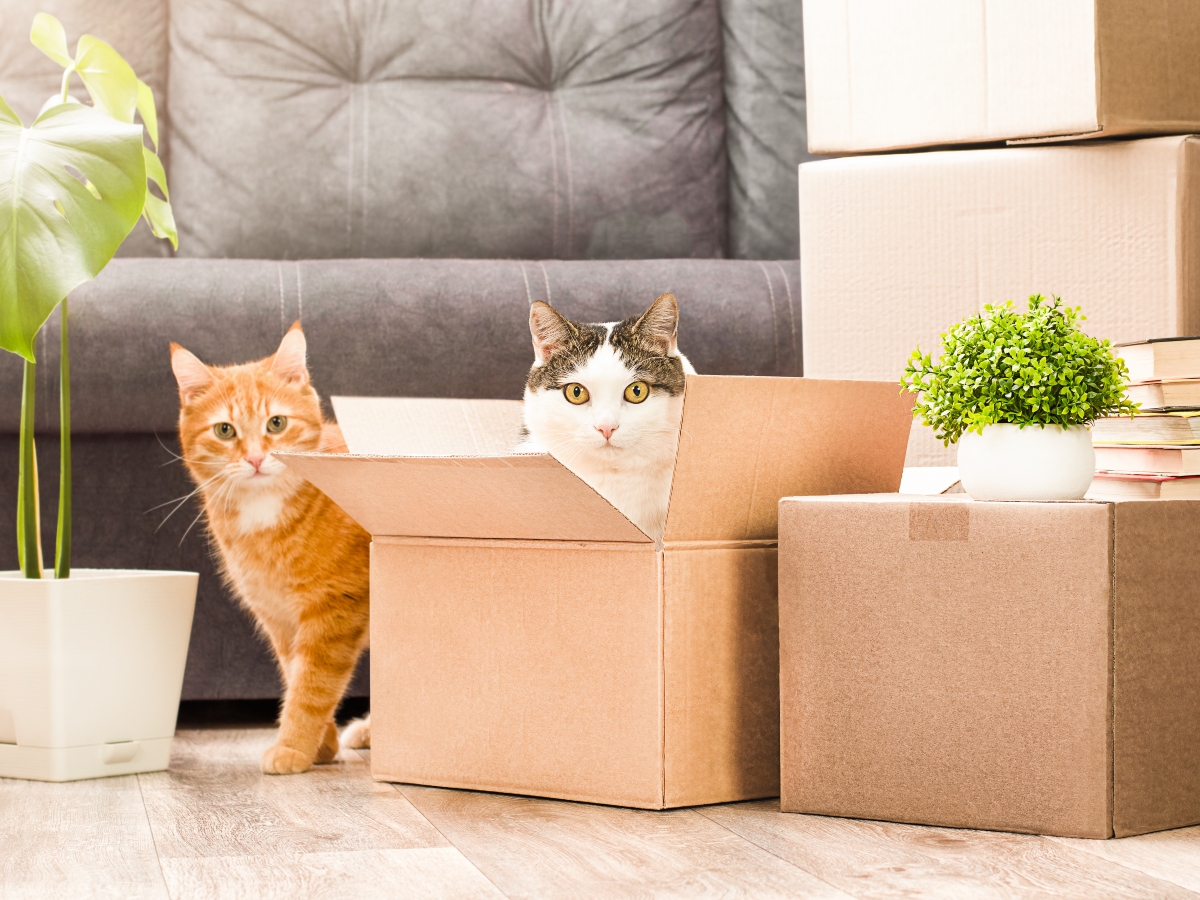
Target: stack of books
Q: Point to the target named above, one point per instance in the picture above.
(1156, 453)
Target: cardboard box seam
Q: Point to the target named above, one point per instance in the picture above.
(662, 683)
(1112, 670)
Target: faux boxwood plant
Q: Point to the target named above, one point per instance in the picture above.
(1004, 366)
(72, 186)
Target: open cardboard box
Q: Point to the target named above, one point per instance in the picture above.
(526, 637)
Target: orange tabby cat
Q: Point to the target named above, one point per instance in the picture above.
(293, 558)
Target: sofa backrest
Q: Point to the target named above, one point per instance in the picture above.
(417, 128)
(479, 128)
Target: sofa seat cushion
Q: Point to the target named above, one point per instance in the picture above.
(409, 128)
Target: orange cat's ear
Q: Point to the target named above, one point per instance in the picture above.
(551, 332)
(290, 360)
(194, 377)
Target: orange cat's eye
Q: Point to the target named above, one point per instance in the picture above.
(637, 392)
(276, 424)
(225, 431)
(576, 393)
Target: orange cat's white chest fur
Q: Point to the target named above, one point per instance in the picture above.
(258, 511)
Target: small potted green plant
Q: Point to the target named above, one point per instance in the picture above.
(1017, 392)
(91, 660)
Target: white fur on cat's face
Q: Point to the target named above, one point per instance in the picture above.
(624, 450)
(576, 434)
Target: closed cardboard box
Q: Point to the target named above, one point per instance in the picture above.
(883, 75)
(526, 637)
(1026, 667)
(896, 249)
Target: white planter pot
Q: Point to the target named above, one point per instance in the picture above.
(1008, 462)
(91, 669)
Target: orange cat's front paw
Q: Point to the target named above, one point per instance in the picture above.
(281, 760)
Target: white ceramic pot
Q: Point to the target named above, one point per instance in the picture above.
(91, 669)
(1008, 462)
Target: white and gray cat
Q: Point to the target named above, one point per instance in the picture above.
(605, 400)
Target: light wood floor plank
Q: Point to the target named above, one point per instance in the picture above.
(351, 875)
(543, 848)
(881, 859)
(1173, 856)
(76, 840)
(215, 802)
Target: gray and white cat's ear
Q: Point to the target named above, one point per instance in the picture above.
(290, 361)
(660, 324)
(192, 375)
(551, 332)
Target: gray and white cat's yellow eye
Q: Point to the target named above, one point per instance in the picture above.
(225, 431)
(576, 393)
(637, 392)
(276, 424)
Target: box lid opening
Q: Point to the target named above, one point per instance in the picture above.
(423, 467)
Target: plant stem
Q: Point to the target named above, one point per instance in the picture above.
(29, 542)
(66, 83)
(62, 546)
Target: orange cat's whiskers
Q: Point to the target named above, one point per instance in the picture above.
(224, 487)
(180, 501)
(182, 459)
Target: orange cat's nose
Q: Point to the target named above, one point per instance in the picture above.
(607, 430)
(256, 460)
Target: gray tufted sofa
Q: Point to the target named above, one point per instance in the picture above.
(405, 177)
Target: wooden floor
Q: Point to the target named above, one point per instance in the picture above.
(213, 826)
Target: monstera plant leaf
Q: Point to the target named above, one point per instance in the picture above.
(116, 90)
(72, 186)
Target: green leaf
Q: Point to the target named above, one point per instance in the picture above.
(109, 80)
(161, 220)
(55, 233)
(147, 110)
(157, 212)
(49, 37)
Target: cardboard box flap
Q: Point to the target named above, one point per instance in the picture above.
(423, 426)
(746, 442)
(519, 497)
(424, 467)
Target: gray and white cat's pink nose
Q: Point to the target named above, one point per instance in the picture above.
(607, 430)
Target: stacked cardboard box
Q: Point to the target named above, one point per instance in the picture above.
(1016, 666)
(1155, 454)
(992, 665)
(896, 248)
